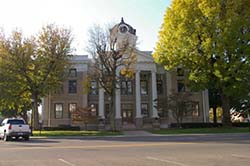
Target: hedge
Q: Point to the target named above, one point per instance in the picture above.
(62, 127)
(208, 125)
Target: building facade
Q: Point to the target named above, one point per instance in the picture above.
(141, 102)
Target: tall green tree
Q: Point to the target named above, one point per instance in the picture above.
(211, 38)
(33, 66)
(13, 93)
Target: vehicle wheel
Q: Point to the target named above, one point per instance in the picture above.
(6, 138)
(26, 138)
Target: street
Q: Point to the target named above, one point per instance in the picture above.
(182, 150)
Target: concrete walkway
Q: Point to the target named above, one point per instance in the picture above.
(137, 133)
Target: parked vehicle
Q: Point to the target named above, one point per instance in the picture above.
(13, 127)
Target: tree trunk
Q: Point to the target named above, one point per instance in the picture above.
(226, 120)
(112, 112)
(35, 117)
(178, 123)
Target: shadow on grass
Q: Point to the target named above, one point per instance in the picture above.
(236, 138)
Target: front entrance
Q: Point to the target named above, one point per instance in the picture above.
(127, 114)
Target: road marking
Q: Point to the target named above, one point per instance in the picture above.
(66, 162)
(166, 161)
(97, 146)
(240, 156)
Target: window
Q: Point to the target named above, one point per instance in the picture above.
(195, 109)
(72, 73)
(72, 86)
(72, 108)
(93, 109)
(126, 88)
(180, 86)
(129, 88)
(15, 121)
(159, 83)
(93, 88)
(144, 87)
(58, 110)
(144, 84)
(127, 112)
(144, 110)
(123, 87)
(180, 72)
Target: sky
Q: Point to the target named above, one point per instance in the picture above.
(146, 16)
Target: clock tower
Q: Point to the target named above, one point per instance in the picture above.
(123, 33)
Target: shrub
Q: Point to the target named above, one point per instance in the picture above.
(63, 127)
(207, 125)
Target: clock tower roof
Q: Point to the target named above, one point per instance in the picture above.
(130, 28)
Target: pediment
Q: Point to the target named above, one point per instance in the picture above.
(144, 57)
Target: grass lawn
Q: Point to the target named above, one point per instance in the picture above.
(75, 133)
(201, 130)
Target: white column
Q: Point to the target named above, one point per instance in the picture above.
(154, 95)
(138, 94)
(101, 103)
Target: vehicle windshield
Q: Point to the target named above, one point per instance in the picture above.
(15, 121)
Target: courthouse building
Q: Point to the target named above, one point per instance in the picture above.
(141, 102)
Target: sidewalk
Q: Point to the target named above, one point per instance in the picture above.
(137, 133)
(128, 133)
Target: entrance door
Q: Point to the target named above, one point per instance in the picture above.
(127, 114)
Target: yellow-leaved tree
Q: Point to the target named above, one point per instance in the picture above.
(210, 38)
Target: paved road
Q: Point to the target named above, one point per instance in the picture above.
(184, 150)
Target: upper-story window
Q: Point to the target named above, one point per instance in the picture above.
(180, 72)
(93, 88)
(72, 86)
(72, 72)
(126, 87)
(144, 84)
(159, 83)
(181, 86)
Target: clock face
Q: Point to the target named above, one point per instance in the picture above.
(123, 29)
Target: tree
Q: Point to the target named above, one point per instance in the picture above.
(31, 67)
(13, 94)
(179, 104)
(210, 38)
(10, 113)
(84, 116)
(112, 60)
